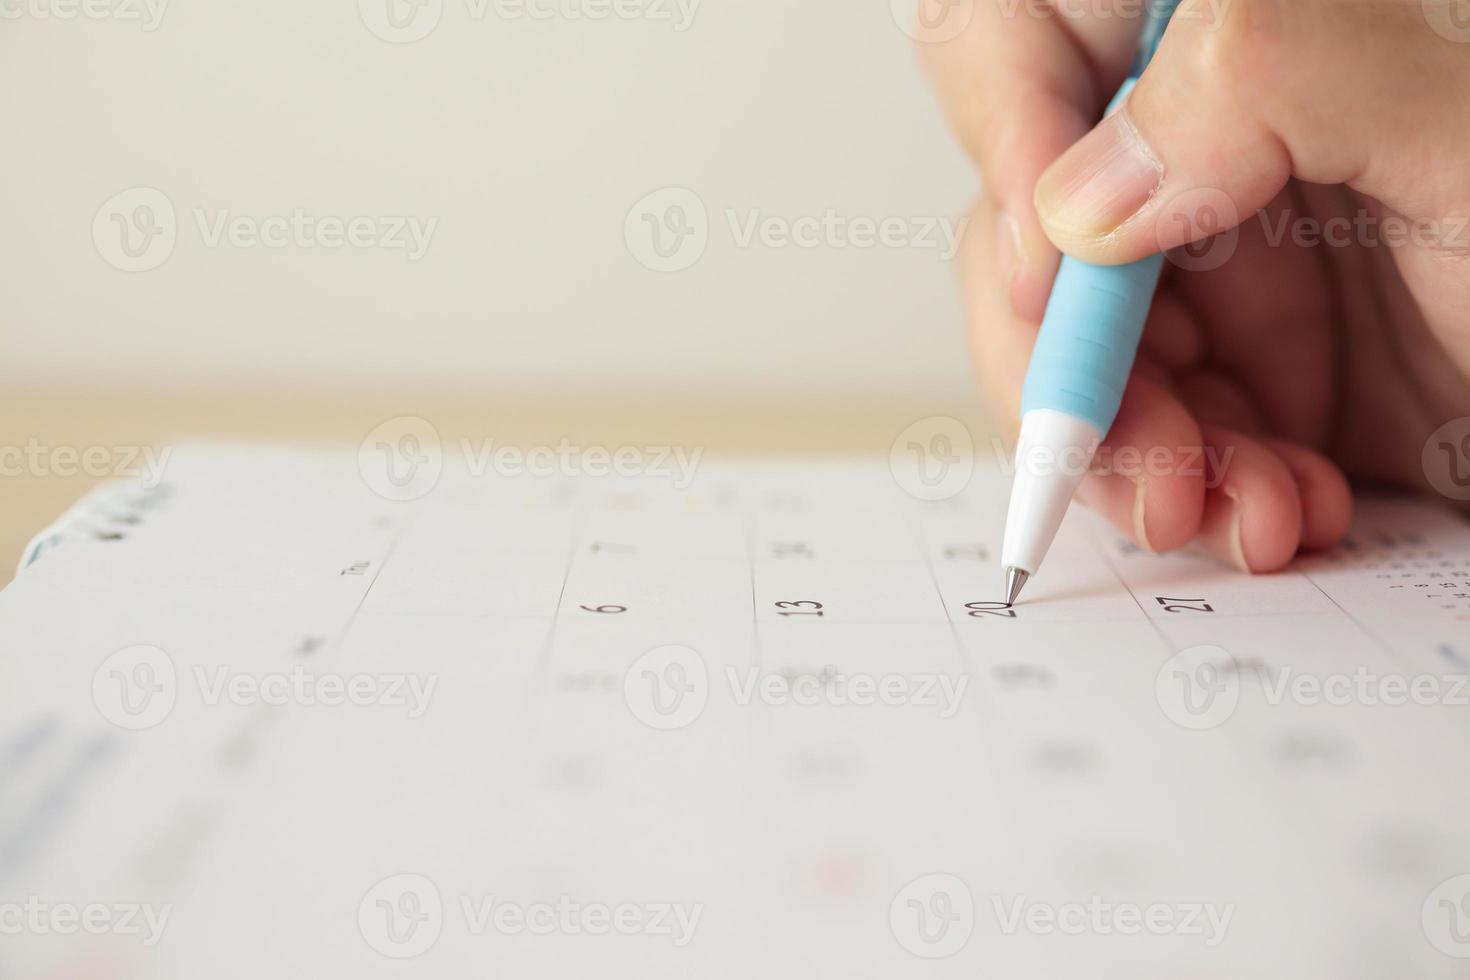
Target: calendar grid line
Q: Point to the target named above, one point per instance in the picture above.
(531, 709)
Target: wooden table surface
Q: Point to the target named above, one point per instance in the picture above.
(56, 443)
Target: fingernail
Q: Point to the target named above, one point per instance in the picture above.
(1237, 540)
(1140, 525)
(1010, 253)
(1101, 182)
(1009, 248)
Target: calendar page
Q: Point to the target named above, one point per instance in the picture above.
(285, 714)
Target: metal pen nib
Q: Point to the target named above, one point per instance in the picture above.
(1015, 582)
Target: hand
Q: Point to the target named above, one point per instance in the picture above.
(1294, 362)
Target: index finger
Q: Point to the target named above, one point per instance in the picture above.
(1020, 83)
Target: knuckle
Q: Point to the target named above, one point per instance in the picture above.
(1232, 41)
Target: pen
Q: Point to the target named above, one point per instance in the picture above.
(1079, 367)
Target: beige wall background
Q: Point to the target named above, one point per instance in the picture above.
(524, 139)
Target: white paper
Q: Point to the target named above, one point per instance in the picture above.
(772, 724)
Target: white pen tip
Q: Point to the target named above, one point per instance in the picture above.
(1015, 582)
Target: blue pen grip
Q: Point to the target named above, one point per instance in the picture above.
(1094, 319)
(1089, 337)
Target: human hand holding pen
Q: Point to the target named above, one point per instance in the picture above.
(1296, 362)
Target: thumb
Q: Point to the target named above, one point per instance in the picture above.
(1244, 95)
